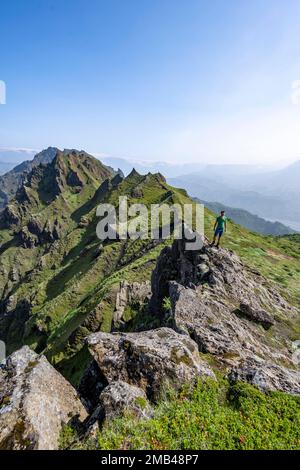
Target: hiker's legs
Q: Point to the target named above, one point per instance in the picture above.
(219, 238)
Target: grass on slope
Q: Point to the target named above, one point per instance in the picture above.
(219, 416)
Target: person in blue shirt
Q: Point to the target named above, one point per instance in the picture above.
(219, 228)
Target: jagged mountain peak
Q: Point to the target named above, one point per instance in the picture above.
(60, 186)
(133, 174)
(11, 182)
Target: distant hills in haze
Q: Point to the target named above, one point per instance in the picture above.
(9, 158)
(250, 221)
(268, 194)
(251, 192)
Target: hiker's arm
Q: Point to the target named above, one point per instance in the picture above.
(215, 226)
(225, 226)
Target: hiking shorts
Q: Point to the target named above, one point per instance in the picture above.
(219, 232)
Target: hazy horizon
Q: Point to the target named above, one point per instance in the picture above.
(19, 155)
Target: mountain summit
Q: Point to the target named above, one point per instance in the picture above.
(10, 182)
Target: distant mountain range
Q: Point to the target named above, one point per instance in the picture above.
(250, 192)
(272, 195)
(249, 221)
(9, 158)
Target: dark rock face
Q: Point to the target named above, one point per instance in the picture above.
(91, 385)
(174, 263)
(10, 217)
(14, 313)
(148, 359)
(36, 233)
(73, 179)
(130, 293)
(137, 193)
(27, 239)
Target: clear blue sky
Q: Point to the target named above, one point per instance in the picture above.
(177, 80)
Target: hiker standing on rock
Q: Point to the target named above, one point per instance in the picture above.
(219, 228)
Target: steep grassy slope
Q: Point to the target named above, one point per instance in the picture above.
(54, 271)
(38, 230)
(58, 282)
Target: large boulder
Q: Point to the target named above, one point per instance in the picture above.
(35, 401)
(210, 321)
(148, 359)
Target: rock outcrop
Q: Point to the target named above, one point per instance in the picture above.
(226, 309)
(35, 401)
(257, 316)
(148, 359)
(267, 376)
(135, 293)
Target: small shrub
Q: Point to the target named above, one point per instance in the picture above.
(211, 415)
(166, 304)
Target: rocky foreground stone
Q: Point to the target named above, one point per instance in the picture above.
(35, 402)
(148, 359)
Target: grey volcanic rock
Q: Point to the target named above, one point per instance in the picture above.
(128, 294)
(175, 263)
(148, 359)
(35, 401)
(35, 233)
(267, 376)
(120, 397)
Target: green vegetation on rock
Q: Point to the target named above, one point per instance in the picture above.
(219, 416)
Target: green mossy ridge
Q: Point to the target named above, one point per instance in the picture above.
(65, 281)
